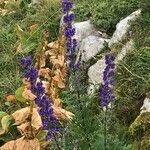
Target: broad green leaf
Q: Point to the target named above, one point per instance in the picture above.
(5, 123)
(7, 103)
(2, 114)
(19, 96)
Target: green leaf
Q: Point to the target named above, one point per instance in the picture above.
(7, 103)
(19, 96)
(41, 135)
(5, 123)
(2, 114)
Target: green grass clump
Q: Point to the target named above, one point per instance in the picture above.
(105, 14)
(133, 73)
(46, 15)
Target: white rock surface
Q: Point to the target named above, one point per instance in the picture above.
(95, 74)
(84, 29)
(128, 46)
(91, 46)
(123, 27)
(146, 106)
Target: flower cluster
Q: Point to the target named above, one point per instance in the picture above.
(49, 121)
(107, 90)
(69, 32)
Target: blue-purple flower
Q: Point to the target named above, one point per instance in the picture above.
(107, 89)
(69, 32)
(67, 5)
(49, 121)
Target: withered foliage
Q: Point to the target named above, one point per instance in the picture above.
(52, 66)
(55, 75)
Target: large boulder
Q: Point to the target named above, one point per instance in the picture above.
(84, 29)
(123, 27)
(91, 46)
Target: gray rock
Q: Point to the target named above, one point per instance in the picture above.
(84, 29)
(146, 106)
(95, 72)
(91, 46)
(123, 27)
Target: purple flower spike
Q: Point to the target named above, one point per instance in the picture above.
(49, 121)
(66, 5)
(69, 32)
(107, 89)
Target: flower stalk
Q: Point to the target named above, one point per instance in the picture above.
(49, 121)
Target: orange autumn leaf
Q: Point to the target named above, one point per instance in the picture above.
(11, 98)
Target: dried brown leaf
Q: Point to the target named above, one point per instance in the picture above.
(53, 45)
(26, 83)
(8, 146)
(27, 94)
(57, 102)
(25, 130)
(59, 79)
(62, 114)
(58, 61)
(21, 116)
(44, 72)
(46, 85)
(22, 144)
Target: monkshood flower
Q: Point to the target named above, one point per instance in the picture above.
(107, 90)
(49, 121)
(69, 32)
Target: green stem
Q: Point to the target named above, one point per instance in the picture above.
(82, 115)
(105, 130)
